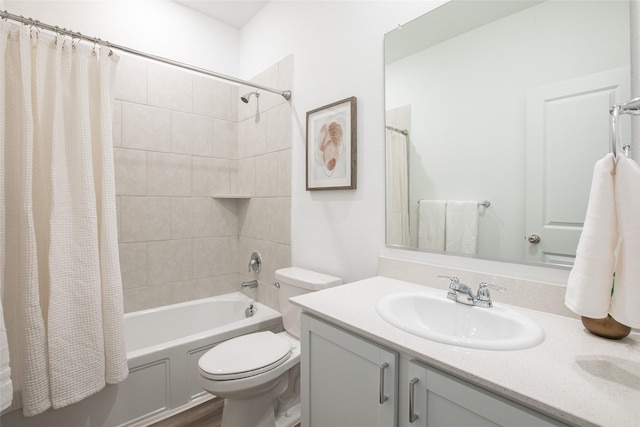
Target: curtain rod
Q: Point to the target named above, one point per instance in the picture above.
(286, 94)
(395, 129)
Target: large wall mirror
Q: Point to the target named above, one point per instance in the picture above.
(496, 112)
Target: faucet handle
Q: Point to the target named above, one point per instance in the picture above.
(485, 285)
(454, 279)
(483, 290)
(454, 284)
(255, 263)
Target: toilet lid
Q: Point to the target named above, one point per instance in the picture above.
(245, 356)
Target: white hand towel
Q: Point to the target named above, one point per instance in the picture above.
(462, 227)
(626, 295)
(431, 224)
(589, 285)
(6, 387)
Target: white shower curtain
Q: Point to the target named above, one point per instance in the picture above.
(61, 284)
(397, 189)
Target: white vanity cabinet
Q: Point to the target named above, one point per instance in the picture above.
(433, 398)
(349, 381)
(346, 381)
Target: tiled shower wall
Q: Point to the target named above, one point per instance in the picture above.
(264, 171)
(180, 138)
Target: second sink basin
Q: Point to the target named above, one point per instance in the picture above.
(433, 316)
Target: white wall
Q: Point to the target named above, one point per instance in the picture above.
(338, 52)
(158, 27)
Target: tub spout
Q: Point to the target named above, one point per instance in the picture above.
(249, 284)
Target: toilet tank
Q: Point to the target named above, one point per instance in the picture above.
(296, 281)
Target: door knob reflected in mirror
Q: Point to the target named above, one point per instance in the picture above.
(533, 239)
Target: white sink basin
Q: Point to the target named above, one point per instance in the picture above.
(433, 316)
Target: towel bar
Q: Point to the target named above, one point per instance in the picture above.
(484, 203)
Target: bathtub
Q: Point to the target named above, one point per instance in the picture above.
(163, 348)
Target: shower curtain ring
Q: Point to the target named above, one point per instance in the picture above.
(57, 31)
(33, 29)
(75, 39)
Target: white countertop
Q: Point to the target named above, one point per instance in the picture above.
(573, 375)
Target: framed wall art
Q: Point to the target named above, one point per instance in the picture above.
(331, 146)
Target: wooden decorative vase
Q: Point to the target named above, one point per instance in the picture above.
(606, 328)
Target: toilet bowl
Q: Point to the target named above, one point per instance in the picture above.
(252, 373)
(258, 374)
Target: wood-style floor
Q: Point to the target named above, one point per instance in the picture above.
(208, 414)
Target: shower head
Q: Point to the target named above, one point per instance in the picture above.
(245, 98)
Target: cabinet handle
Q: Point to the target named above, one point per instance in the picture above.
(382, 397)
(412, 415)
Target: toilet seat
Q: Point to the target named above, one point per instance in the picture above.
(245, 356)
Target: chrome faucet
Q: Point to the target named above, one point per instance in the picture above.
(459, 292)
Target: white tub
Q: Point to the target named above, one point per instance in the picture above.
(163, 348)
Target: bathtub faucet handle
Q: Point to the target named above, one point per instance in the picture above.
(255, 262)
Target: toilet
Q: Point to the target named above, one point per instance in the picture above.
(258, 374)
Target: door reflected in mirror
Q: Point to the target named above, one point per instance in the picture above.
(503, 101)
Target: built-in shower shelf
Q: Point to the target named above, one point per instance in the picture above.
(231, 196)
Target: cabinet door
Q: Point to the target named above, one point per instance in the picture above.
(443, 400)
(346, 381)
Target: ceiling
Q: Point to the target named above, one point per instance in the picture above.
(233, 12)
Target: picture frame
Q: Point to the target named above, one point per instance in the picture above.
(332, 146)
